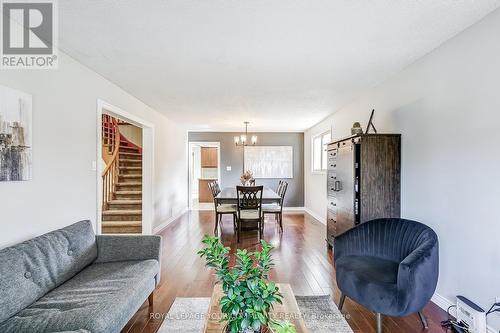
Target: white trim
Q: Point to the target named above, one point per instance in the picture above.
(445, 303)
(294, 210)
(147, 160)
(313, 137)
(316, 216)
(165, 224)
(201, 143)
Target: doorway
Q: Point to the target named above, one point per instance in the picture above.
(204, 167)
(124, 172)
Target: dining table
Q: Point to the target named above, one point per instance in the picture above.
(228, 196)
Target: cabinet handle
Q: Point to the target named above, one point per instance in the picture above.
(337, 186)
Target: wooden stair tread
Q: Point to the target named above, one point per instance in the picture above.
(126, 160)
(122, 212)
(129, 153)
(121, 223)
(129, 184)
(130, 168)
(125, 202)
(128, 192)
(132, 176)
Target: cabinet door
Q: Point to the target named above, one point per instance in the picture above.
(344, 188)
(208, 157)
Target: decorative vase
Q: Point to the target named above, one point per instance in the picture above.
(356, 129)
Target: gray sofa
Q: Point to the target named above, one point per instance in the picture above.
(72, 280)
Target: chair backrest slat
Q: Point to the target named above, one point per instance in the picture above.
(249, 197)
(282, 191)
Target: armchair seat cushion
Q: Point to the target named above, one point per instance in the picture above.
(370, 281)
(226, 208)
(101, 298)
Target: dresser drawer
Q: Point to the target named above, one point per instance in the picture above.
(332, 204)
(332, 165)
(332, 153)
(331, 225)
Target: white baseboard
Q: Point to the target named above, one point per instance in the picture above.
(170, 220)
(445, 303)
(316, 216)
(293, 210)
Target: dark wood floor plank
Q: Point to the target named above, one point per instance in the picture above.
(301, 259)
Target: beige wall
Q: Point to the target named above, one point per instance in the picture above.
(63, 189)
(132, 133)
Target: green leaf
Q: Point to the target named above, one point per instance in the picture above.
(245, 323)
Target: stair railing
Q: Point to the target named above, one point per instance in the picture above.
(111, 139)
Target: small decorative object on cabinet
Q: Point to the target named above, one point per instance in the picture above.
(356, 129)
(363, 181)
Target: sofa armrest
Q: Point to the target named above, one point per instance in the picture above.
(124, 248)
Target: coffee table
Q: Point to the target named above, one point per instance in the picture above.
(289, 310)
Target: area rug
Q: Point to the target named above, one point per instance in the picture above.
(321, 315)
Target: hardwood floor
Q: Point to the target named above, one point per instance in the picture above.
(301, 259)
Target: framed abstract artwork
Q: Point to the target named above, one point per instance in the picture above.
(269, 161)
(15, 135)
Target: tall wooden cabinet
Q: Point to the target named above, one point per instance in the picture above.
(363, 181)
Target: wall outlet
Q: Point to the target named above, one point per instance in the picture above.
(228, 168)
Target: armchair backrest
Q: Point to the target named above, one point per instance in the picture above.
(391, 238)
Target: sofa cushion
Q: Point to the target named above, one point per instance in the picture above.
(101, 298)
(31, 269)
(370, 281)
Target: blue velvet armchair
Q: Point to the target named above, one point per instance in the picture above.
(389, 266)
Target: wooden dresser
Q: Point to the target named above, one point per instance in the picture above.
(363, 181)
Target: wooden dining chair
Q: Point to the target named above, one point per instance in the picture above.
(277, 208)
(280, 183)
(221, 209)
(250, 208)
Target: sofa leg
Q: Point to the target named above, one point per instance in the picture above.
(150, 299)
(379, 323)
(423, 320)
(341, 302)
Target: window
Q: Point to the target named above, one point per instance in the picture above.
(319, 151)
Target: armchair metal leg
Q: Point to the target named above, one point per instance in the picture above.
(379, 323)
(341, 302)
(423, 320)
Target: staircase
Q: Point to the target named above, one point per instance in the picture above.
(122, 206)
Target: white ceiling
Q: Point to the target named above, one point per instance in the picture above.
(284, 65)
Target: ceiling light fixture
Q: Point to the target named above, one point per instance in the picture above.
(242, 140)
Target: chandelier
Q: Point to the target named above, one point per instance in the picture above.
(242, 140)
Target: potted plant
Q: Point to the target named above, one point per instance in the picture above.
(248, 293)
